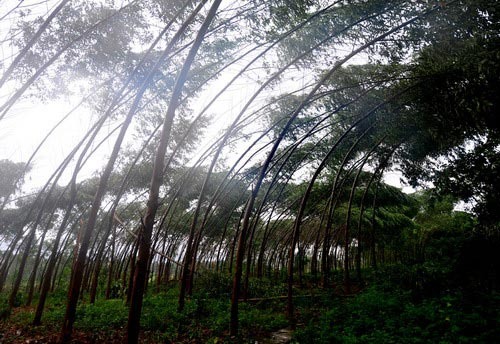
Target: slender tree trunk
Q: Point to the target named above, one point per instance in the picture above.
(74, 289)
(270, 155)
(372, 234)
(233, 245)
(111, 262)
(22, 265)
(32, 41)
(132, 264)
(31, 282)
(156, 180)
(235, 296)
(349, 208)
(28, 242)
(360, 221)
(95, 277)
(298, 219)
(314, 257)
(249, 260)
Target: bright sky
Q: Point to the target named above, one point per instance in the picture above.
(30, 120)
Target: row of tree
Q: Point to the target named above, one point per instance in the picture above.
(304, 190)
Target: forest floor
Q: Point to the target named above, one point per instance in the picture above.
(21, 332)
(15, 333)
(383, 311)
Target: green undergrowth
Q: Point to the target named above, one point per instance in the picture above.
(392, 310)
(4, 308)
(396, 304)
(205, 316)
(377, 316)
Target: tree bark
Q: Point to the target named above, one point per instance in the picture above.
(133, 323)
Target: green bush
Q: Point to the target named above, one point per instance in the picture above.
(256, 320)
(160, 314)
(4, 309)
(265, 287)
(381, 316)
(213, 285)
(104, 314)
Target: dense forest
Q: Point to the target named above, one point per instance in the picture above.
(278, 171)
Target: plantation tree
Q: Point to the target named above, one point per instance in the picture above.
(145, 246)
(10, 179)
(405, 84)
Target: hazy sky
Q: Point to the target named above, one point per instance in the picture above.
(30, 120)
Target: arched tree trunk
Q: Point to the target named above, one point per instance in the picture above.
(298, 219)
(31, 235)
(156, 180)
(331, 205)
(372, 234)
(31, 42)
(78, 268)
(111, 262)
(347, 238)
(31, 281)
(132, 265)
(377, 173)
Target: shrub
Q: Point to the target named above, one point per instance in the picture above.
(4, 309)
(102, 315)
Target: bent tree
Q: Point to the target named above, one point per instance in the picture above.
(239, 140)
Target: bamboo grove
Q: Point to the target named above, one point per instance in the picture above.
(250, 139)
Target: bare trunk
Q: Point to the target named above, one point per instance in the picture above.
(133, 323)
(111, 261)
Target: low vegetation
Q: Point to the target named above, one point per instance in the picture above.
(197, 171)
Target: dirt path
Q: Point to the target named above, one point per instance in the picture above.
(282, 336)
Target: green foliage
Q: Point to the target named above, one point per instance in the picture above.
(104, 314)
(378, 316)
(4, 308)
(265, 288)
(453, 114)
(160, 314)
(255, 320)
(443, 108)
(213, 285)
(206, 314)
(10, 177)
(216, 285)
